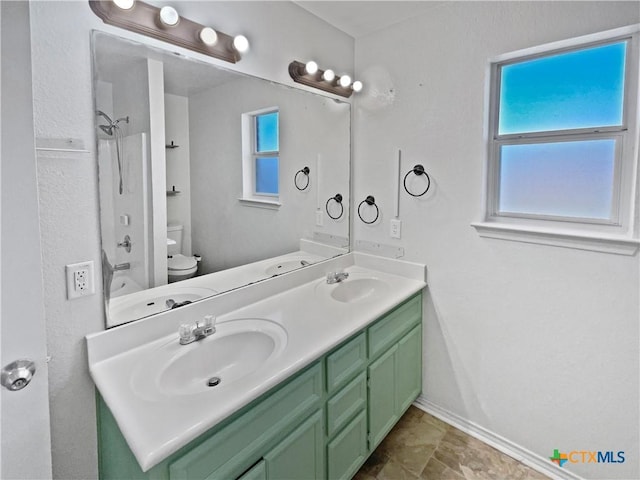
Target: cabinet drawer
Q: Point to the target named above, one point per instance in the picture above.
(346, 362)
(388, 330)
(346, 403)
(246, 437)
(348, 450)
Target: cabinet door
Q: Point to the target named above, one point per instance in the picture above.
(348, 450)
(409, 365)
(382, 396)
(299, 455)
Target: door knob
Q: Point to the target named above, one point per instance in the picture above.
(18, 374)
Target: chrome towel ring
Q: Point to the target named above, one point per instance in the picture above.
(338, 199)
(371, 201)
(417, 170)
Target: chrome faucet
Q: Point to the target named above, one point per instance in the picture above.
(336, 277)
(190, 333)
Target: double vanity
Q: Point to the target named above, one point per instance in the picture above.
(299, 376)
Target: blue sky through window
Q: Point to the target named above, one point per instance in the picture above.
(267, 175)
(576, 89)
(267, 132)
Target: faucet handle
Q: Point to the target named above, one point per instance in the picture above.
(209, 324)
(186, 333)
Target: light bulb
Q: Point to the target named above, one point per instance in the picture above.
(357, 86)
(124, 4)
(311, 67)
(328, 75)
(169, 16)
(208, 36)
(345, 81)
(240, 43)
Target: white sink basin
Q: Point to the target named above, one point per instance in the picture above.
(237, 349)
(353, 289)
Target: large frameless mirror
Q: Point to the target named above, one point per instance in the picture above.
(210, 179)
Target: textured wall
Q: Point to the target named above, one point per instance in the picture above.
(535, 343)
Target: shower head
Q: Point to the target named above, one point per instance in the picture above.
(108, 129)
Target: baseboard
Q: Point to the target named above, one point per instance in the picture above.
(527, 457)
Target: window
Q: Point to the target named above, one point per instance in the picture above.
(261, 157)
(563, 138)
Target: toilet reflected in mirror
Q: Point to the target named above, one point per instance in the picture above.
(179, 266)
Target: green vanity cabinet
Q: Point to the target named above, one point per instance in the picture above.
(301, 454)
(322, 423)
(394, 383)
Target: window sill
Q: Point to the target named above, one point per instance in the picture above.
(259, 203)
(598, 243)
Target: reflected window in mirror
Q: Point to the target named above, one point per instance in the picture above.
(261, 162)
(266, 155)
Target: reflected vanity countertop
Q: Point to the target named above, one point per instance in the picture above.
(143, 303)
(315, 316)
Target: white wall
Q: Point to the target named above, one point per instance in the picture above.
(63, 105)
(538, 344)
(178, 170)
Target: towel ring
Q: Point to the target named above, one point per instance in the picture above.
(417, 170)
(338, 199)
(369, 201)
(305, 171)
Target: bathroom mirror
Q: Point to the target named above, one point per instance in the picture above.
(210, 179)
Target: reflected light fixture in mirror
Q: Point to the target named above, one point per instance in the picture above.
(345, 81)
(166, 24)
(309, 74)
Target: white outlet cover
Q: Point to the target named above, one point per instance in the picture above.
(395, 228)
(90, 284)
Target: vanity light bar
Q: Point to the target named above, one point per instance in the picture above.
(166, 24)
(309, 74)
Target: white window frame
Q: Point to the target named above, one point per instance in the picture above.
(249, 157)
(617, 235)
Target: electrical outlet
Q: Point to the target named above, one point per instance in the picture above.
(396, 228)
(80, 281)
(318, 218)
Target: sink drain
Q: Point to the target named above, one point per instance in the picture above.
(213, 381)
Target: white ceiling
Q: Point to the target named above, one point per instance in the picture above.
(360, 18)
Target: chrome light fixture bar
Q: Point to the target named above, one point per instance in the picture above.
(309, 74)
(167, 25)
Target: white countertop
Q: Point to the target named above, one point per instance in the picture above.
(155, 426)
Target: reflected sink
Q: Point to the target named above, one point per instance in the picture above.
(138, 305)
(286, 266)
(237, 349)
(353, 289)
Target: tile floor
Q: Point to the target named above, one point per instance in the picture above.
(422, 447)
